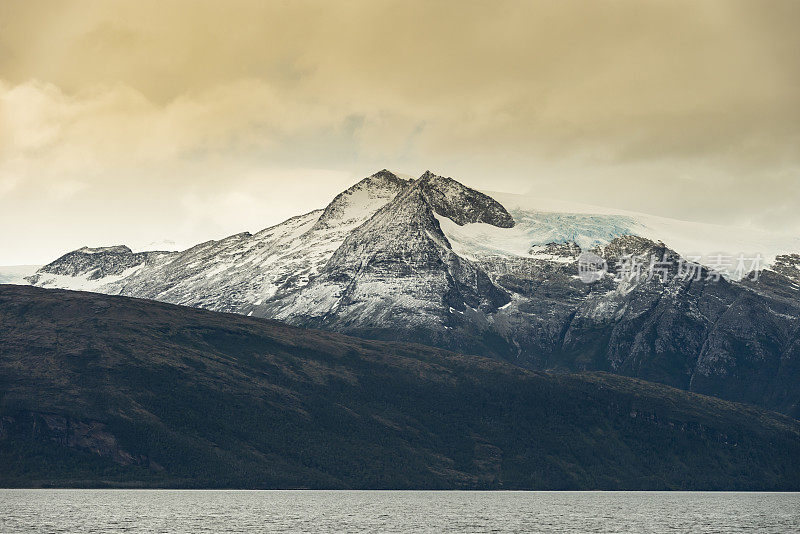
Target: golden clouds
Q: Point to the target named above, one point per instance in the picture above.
(613, 101)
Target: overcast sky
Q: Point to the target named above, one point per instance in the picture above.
(139, 121)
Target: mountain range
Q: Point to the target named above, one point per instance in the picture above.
(111, 391)
(435, 262)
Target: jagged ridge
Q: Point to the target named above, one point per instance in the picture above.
(433, 261)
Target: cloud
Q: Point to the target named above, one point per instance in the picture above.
(603, 102)
(117, 167)
(61, 191)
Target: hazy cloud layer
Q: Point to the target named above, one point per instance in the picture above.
(141, 121)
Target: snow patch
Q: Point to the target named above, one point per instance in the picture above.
(687, 238)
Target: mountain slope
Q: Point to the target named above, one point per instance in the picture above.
(107, 390)
(396, 275)
(235, 273)
(435, 262)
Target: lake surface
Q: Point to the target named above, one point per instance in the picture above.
(194, 512)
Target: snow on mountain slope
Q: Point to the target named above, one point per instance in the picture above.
(433, 261)
(245, 270)
(396, 272)
(536, 229)
(688, 238)
(234, 273)
(93, 269)
(82, 281)
(357, 203)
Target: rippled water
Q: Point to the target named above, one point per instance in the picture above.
(394, 511)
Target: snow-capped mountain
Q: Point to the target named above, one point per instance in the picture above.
(399, 269)
(232, 274)
(433, 261)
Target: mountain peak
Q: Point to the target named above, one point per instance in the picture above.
(383, 179)
(92, 265)
(359, 201)
(386, 174)
(460, 203)
(115, 249)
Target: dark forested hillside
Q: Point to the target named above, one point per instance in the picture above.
(99, 390)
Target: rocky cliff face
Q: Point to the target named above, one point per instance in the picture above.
(396, 275)
(433, 261)
(96, 266)
(461, 204)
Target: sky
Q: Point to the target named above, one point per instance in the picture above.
(181, 121)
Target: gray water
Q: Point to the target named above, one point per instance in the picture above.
(194, 512)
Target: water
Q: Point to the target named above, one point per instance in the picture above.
(194, 512)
